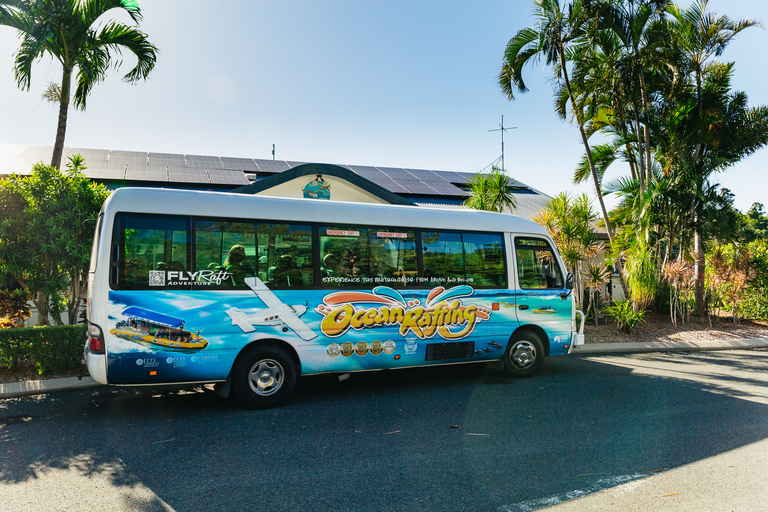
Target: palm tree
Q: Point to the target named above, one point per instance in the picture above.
(491, 192)
(67, 30)
(570, 222)
(697, 37)
(634, 25)
(559, 29)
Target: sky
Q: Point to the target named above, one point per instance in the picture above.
(400, 83)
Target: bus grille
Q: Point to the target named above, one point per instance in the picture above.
(456, 350)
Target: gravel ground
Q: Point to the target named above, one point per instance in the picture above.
(659, 328)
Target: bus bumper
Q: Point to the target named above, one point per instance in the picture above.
(577, 337)
(97, 366)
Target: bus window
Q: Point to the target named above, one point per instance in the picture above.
(393, 256)
(537, 266)
(285, 255)
(344, 257)
(154, 251)
(225, 249)
(484, 260)
(443, 258)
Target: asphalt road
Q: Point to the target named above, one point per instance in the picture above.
(649, 431)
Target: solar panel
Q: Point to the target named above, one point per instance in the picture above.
(92, 156)
(202, 162)
(295, 164)
(127, 157)
(225, 177)
(417, 187)
(451, 176)
(369, 172)
(104, 174)
(272, 166)
(166, 159)
(241, 164)
(446, 189)
(397, 173)
(388, 184)
(188, 175)
(146, 173)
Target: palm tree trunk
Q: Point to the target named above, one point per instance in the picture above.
(640, 150)
(699, 271)
(61, 129)
(592, 170)
(644, 94)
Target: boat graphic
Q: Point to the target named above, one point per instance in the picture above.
(545, 309)
(145, 326)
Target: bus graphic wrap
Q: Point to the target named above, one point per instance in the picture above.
(254, 291)
(332, 332)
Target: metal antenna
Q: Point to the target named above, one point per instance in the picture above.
(502, 129)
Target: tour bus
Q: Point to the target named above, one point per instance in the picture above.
(252, 292)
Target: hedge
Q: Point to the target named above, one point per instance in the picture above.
(50, 349)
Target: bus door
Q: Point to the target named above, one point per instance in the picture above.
(541, 297)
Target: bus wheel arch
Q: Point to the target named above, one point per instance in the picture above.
(525, 351)
(264, 374)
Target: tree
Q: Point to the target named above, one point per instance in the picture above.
(558, 30)
(570, 222)
(45, 239)
(69, 31)
(696, 37)
(491, 192)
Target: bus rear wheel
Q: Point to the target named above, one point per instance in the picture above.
(524, 355)
(264, 376)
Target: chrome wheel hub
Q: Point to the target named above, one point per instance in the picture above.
(522, 355)
(266, 377)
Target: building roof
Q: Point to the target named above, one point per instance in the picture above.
(116, 169)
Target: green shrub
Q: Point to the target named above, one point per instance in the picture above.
(50, 349)
(625, 315)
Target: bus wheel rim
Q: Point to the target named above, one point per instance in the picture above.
(523, 354)
(266, 377)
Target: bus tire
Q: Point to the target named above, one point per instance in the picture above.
(524, 355)
(264, 376)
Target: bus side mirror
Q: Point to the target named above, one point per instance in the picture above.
(569, 281)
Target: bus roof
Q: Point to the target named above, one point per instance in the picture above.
(235, 205)
(154, 317)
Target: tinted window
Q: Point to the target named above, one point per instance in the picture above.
(393, 257)
(225, 253)
(285, 255)
(344, 256)
(537, 266)
(476, 259)
(153, 251)
(484, 260)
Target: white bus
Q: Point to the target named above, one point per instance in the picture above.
(253, 292)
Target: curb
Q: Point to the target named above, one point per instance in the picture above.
(670, 346)
(36, 387)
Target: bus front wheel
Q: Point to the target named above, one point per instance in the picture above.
(264, 376)
(524, 355)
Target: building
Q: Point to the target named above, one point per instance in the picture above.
(363, 183)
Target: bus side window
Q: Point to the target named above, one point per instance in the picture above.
(285, 255)
(443, 258)
(224, 248)
(344, 257)
(537, 265)
(393, 256)
(151, 246)
(484, 255)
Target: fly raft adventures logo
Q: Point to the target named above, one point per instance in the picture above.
(443, 313)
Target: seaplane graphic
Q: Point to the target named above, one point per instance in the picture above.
(277, 313)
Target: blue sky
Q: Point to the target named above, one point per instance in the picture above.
(397, 83)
